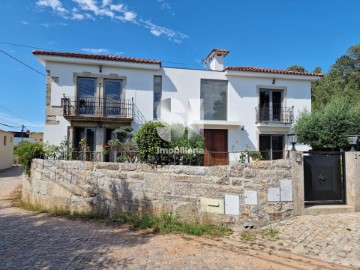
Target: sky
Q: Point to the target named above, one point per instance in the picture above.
(261, 33)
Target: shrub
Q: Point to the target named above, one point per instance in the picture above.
(326, 128)
(178, 137)
(26, 152)
(148, 141)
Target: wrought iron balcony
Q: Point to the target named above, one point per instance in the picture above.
(274, 115)
(98, 109)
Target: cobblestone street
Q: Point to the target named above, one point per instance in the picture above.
(41, 241)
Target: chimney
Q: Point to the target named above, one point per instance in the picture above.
(215, 59)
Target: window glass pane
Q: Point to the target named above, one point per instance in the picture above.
(214, 96)
(86, 87)
(157, 94)
(265, 146)
(113, 89)
(277, 146)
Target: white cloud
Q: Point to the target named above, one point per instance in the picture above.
(164, 4)
(45, 25)
(158, 31)
(95, 51)
(24, 22)
(56, 5)
(106, 2)
(90, 9)
(119, 8)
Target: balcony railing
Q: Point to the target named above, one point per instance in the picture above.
(278, 115)
(103, 108)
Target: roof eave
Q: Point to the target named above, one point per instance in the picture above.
(271, 75)
(43, 59)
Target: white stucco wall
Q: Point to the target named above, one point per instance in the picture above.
(182, 85)
(6, 151)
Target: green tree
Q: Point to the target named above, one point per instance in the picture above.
(343, 79)
(326, 128)
(296, 68)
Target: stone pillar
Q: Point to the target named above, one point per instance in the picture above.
(352, 175)
(297, 166)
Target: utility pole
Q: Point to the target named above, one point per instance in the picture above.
(22, 133)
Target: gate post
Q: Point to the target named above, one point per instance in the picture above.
(298, 181)
(352, 171)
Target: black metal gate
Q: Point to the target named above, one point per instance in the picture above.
(324, 177)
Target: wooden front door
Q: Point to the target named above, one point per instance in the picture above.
(216, 147)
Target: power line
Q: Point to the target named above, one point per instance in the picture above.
(9, 126)
(16, 114)
(19, 45)
(14, 58)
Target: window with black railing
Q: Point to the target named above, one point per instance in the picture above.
(98, 107)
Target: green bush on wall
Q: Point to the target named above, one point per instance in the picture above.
(26, 151)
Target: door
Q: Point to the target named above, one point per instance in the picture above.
(270, 105)
(271, 146)
(324, 178)
(216, 147)
(113, 95)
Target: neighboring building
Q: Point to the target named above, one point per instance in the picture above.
(6, 149)
(21, 137)
(38, 136)
(91, 95)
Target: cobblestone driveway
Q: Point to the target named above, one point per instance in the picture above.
(40, 241)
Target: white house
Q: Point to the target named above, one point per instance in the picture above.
(91, 95)
(6, 149)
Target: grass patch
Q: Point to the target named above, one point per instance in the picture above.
(167, 223)
(164, 223)
(269, 234)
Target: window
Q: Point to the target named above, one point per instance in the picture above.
(86, 95)
(270, 105)
(113, 95)
(271, 146)
(4, 140)
(214, 96)
(157, 95)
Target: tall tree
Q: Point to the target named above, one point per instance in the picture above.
(343, 79)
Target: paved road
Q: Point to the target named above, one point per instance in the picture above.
(40, 241)
(9, 179)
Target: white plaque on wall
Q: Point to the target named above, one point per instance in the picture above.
(274, 195)
(286, 190)
(251, 197)
(232, 204)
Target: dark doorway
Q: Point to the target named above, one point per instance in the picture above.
(271, 146)
(324, 178)
(216, 147)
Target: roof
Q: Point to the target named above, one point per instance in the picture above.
(97, 57)
(275, 71)
(6, 131)
(222, 51)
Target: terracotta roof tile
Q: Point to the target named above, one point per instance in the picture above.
(275, 71)
(98, 57)
(218, 51)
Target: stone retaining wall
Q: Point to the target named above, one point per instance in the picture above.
(256, 193)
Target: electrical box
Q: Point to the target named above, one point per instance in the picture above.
(212, 205)
(286, 190)
(232, 204)
(274, 195)
(251, 197)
